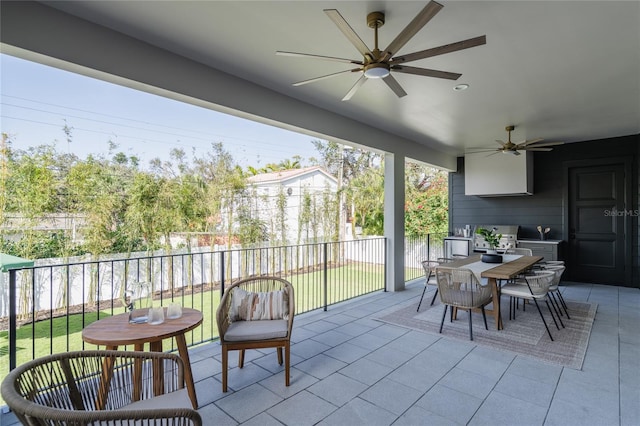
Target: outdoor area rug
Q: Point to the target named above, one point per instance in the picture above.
(525, 335)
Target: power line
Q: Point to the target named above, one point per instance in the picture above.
(148, 140)
(100, 113)
(262, 142)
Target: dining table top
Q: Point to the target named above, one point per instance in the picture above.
(502, 271)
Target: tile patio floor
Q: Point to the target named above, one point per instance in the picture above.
(348, 369)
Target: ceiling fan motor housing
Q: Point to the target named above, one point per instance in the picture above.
(376, 70)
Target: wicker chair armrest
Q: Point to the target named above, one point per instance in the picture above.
(67, 388)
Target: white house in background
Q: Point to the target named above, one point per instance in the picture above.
(292, 184)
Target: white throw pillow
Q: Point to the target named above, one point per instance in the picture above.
(248, 306)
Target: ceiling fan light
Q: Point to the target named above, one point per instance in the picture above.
(376, 70)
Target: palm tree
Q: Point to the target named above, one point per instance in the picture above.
(288, 164)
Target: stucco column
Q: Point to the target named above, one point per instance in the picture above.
(394, 219)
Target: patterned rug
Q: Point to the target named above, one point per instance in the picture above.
(525, 335)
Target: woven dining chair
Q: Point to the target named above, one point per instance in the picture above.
(256, 313)
(554, 289)
(101, 387)
(519, 250)
(535, 288)
(429, 267)
(460, 289)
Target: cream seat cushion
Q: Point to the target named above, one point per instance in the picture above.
(177, 400)
(256, 330)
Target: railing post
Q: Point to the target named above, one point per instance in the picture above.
(12, 319)
(221, 273)
(384, 248)
(326, 262)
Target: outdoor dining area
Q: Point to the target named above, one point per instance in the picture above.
(381, 359)
(471, 283)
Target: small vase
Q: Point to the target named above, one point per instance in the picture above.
(492, 251)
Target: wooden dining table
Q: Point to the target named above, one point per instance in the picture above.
(502, 271)
(116, 331)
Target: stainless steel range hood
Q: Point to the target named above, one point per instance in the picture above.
(498, 175)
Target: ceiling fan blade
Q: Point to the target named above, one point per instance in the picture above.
(355, 88)
(539, 149)
(500, 142)
(479, 148)
(540, 145)
(312, 80)
(481, 151)
(421, 19)
(395, 86)
(441, 50)
(525, 143)
(426, 72)
(346, 29)
(324, 58)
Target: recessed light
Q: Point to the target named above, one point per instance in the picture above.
(460, 87)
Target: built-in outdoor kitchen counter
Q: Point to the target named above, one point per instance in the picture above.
(549, 249)
(466, 241)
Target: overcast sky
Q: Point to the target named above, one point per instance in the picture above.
(37, 101)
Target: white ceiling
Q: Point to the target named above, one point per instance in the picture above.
(561, 70)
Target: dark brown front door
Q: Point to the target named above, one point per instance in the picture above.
(597, 222)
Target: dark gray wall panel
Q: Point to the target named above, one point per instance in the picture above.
(546, 206)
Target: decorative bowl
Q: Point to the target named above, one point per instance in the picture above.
(492, 258)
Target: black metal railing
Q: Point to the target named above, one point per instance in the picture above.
(44, 308)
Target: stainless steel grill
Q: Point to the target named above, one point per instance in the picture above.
(509, 237)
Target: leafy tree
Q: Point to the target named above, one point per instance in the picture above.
(288, 164)
(225, 190)
(345, 164)
(92, 193)
(281, 215)
(142, 212)
(252, 171)
(366, 192)
(4, 176)
(32, 192)
(251, 229)
(426, 206)
(304, 216)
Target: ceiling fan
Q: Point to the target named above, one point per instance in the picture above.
(509, 147)
(378, 63)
